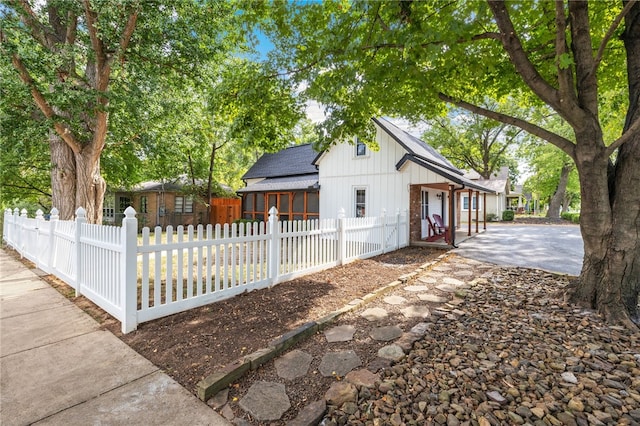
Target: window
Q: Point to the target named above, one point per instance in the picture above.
(297, 205)
(143, 204)
(123, 203)
(361, 202)
(474, 203)
(184, 204)
(424, 204)
(361, 148)
(188, 205)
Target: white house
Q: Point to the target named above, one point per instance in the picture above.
(495, 202)
(404, 174)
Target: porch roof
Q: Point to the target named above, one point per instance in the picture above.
(444, 172)
(287, 183)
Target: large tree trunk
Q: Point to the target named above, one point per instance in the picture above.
(90, 186)
(63, 177)
(559, 195)
(610, 223)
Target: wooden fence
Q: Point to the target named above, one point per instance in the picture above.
(138, 278)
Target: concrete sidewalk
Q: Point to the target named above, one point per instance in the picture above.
(58, 367)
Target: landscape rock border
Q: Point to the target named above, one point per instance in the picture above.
(222, 378)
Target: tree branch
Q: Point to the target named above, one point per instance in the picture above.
(96, 42)
(614, 25)
(128, 32)
(565, 76)
(61, 128)
(564, 144)
(525, 68)
(581, 45)
(38, 30)
(631, 132)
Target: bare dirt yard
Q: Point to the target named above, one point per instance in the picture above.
(193, 344)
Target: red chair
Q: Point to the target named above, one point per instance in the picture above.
(440, 227)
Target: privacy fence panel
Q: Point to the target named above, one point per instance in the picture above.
(141, 277)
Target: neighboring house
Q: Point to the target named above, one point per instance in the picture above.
(496, 202)
(166, 203)
(520, 201)
(287, 180)
(404, 174)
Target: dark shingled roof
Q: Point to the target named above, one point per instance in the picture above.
(293, 161)
(416, 147)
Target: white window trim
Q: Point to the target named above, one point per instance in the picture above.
(355, 149)
(478, 202)
(355, 198)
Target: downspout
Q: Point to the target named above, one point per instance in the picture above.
(452, 210)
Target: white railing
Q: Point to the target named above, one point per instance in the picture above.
(137, 278)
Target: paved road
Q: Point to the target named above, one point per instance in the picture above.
(556, 248)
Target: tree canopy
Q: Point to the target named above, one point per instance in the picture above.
(409, 58)
(127, 90)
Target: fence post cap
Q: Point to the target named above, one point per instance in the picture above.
(341, 213)
(273, 210)
(384, 212)
(130, 212)
(81, 212)
(23, 212)
(55, 212)
(39, 214)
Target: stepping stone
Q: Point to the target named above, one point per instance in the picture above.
(421, 328)
(435, 274)
(293, 364)
(266, 401)
(463, 265)
(395, 300)
(392, 352)
(339, 363)
(385, 334)
(414, 311)
(416, 288)
(379, 364)
(341, 333)
(310, 415)
(463, 273)
(428, 297)
(455, 302)
(446, 287)
(363, 377)
(427, 280)
(441, 268)
(374, 314)
(452, 281)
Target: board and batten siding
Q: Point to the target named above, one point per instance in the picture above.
(341, 172)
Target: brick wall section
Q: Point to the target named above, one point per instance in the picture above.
(414, 213)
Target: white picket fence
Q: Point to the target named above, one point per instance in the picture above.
(138, 278)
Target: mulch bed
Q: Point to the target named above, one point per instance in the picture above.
(193, 344)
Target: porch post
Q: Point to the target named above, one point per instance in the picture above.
(478, 210)
(484, 220)
(470, 206)
(452, 212)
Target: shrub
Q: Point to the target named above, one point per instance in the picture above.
(508, 215)
(492, 217)
(571, 217)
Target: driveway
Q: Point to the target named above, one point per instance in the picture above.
(555, 248)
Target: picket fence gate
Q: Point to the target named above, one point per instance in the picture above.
(138, 278)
